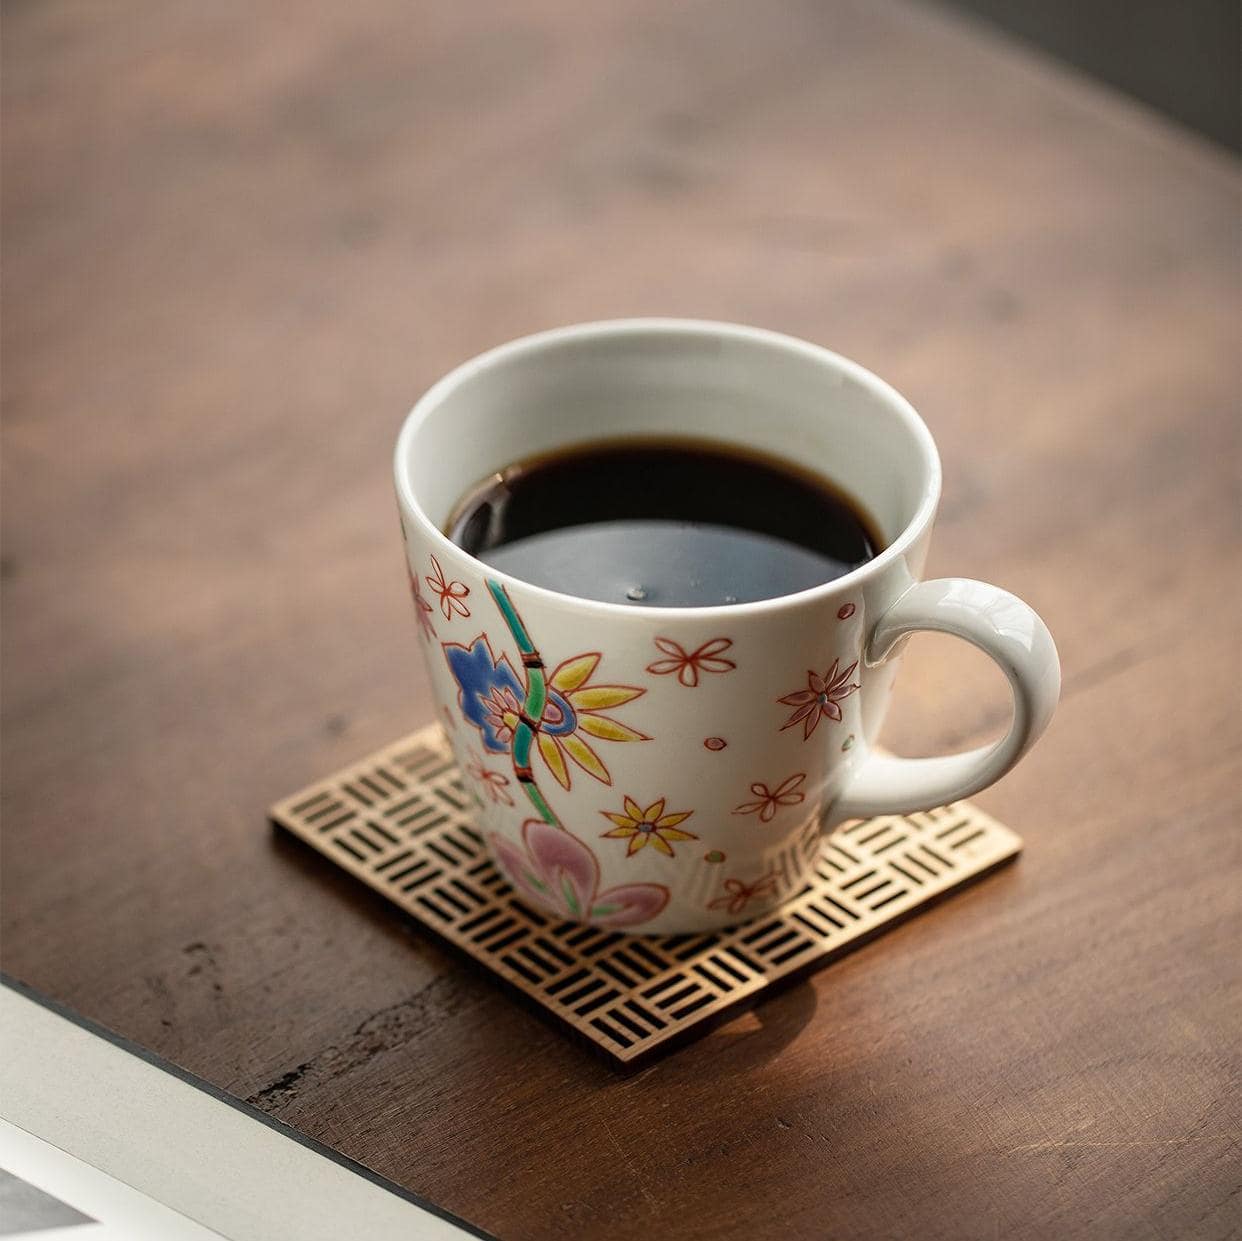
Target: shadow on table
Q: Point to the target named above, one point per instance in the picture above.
(760, 1033)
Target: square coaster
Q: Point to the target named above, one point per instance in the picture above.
(401, 821)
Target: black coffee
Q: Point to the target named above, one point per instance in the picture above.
(664, 523)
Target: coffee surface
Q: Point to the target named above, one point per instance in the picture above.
(664, 523)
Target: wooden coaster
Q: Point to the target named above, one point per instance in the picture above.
(400, 821)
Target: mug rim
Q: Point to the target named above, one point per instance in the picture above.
(539, 341)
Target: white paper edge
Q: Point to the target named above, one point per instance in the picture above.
(190, 1152)
(118, 1212)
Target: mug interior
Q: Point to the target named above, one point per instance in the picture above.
(736, 385)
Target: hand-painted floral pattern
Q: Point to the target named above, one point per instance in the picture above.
(494, 782)
(491, 699)
(554, 714)
(501, 710)
(821, 698)
(451, 594)
(768, 801)
(648, 827)
(737, 895)
(489, 691)
(688, 666)
(422, 609)
(574, 711)
(559, 871)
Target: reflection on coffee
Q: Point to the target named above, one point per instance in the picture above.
(664, 523)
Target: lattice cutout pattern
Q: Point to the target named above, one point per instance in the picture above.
(401, 822)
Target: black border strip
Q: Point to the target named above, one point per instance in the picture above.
(222, 1096)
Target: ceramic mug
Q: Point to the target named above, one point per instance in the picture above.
(666, 770)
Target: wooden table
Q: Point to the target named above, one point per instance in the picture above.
(240, 239)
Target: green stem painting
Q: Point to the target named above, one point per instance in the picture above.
(532, 707)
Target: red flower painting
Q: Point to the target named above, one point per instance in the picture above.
(450, 594)
(422, 609)
(737, 895)
(689, 665)
(821, 699)
(768, 801)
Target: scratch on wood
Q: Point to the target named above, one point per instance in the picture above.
(382, 1032)
(638, 1180)
(1073, 1143)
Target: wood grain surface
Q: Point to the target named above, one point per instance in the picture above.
(240, 239)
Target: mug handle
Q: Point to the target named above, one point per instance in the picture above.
(1001, 626)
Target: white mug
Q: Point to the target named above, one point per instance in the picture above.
(669, 770)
